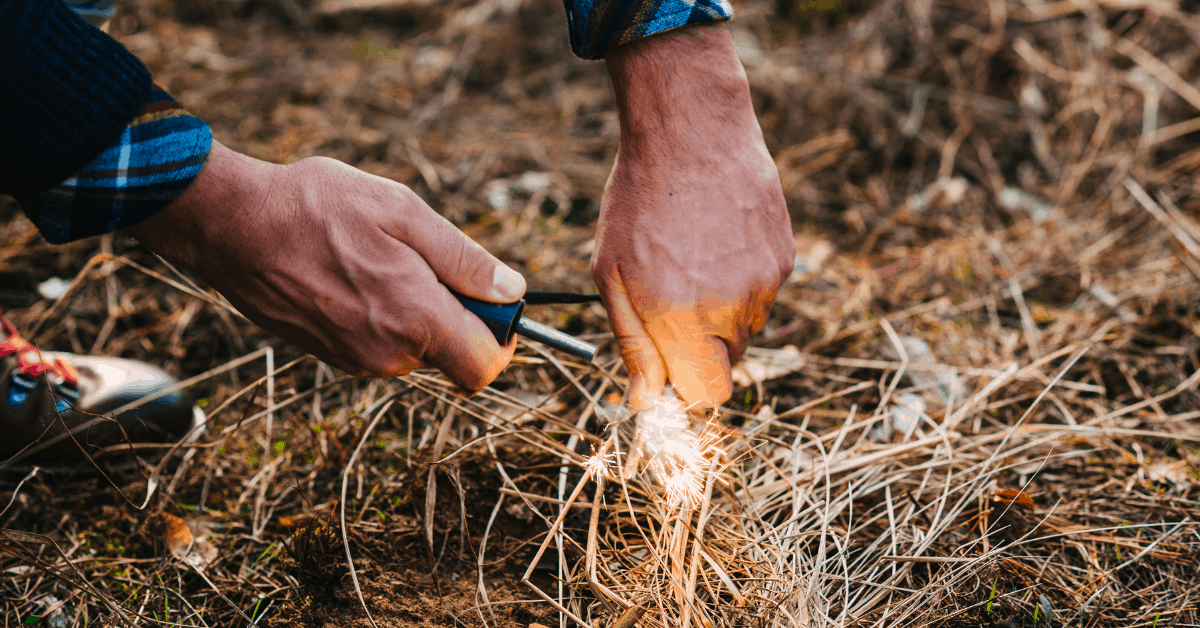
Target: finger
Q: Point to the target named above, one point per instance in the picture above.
(697, 361)
(735, 345)
(751, 320)
(460, 345)
(729, 321)
(737, 321)
(761, 302)
(400, 366)
(647, 371)
(435, 329)
(393, 368)
(457, 260)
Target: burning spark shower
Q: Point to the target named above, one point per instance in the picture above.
(676, 457)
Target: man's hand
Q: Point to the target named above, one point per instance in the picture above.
(694, 237)
(351, 267)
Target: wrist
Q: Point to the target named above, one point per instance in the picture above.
(686, 85)
(223, 202)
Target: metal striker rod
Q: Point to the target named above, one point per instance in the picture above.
(567, 343)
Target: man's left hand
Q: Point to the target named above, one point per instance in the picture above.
(694, 237)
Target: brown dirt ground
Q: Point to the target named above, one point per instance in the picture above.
(393, 562)
(451, 97)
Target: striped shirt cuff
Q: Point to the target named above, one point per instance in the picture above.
(97, 12)
(160, 152)
(597, 25)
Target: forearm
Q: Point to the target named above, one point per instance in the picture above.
(684, 83)
(684, 104)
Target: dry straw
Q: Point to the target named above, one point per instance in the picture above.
(975, 404)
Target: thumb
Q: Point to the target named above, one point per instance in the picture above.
(461, 263)
(647, 371)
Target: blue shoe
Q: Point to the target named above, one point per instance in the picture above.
(53, 404)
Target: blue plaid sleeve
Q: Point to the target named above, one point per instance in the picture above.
(97, 12)
(597, 25)
(158, 154)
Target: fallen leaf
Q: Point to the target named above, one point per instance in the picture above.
(1014, 496)
(184, 544)
(176, 533)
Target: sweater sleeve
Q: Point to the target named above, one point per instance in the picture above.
(68, 92)
(597, 25)
(154, 159)
(87, 144)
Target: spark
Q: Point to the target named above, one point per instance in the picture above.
(600, 464)
(675, 456)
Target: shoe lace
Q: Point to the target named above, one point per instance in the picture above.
(30, 360)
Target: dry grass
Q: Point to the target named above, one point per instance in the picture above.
(987, 416)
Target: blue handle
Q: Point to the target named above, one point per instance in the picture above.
(501, 318)
(505, 320)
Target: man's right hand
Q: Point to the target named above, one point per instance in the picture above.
(349, 266)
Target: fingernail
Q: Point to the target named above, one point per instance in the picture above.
(637, 392)
(508, 284)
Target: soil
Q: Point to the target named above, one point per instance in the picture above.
(392, 561)
(478, 105)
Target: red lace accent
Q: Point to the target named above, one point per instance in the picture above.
(30, 360)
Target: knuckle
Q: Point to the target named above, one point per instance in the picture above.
(423, 337)
(309, 164)
(399, 346)
(406, 199)
(387, 359)
(604, 261)
(601, 269)
(769, 276)
(765, 280)
(787, 262)
(785, 271)
(636, 350)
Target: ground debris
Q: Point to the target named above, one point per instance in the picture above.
(1008, 188)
